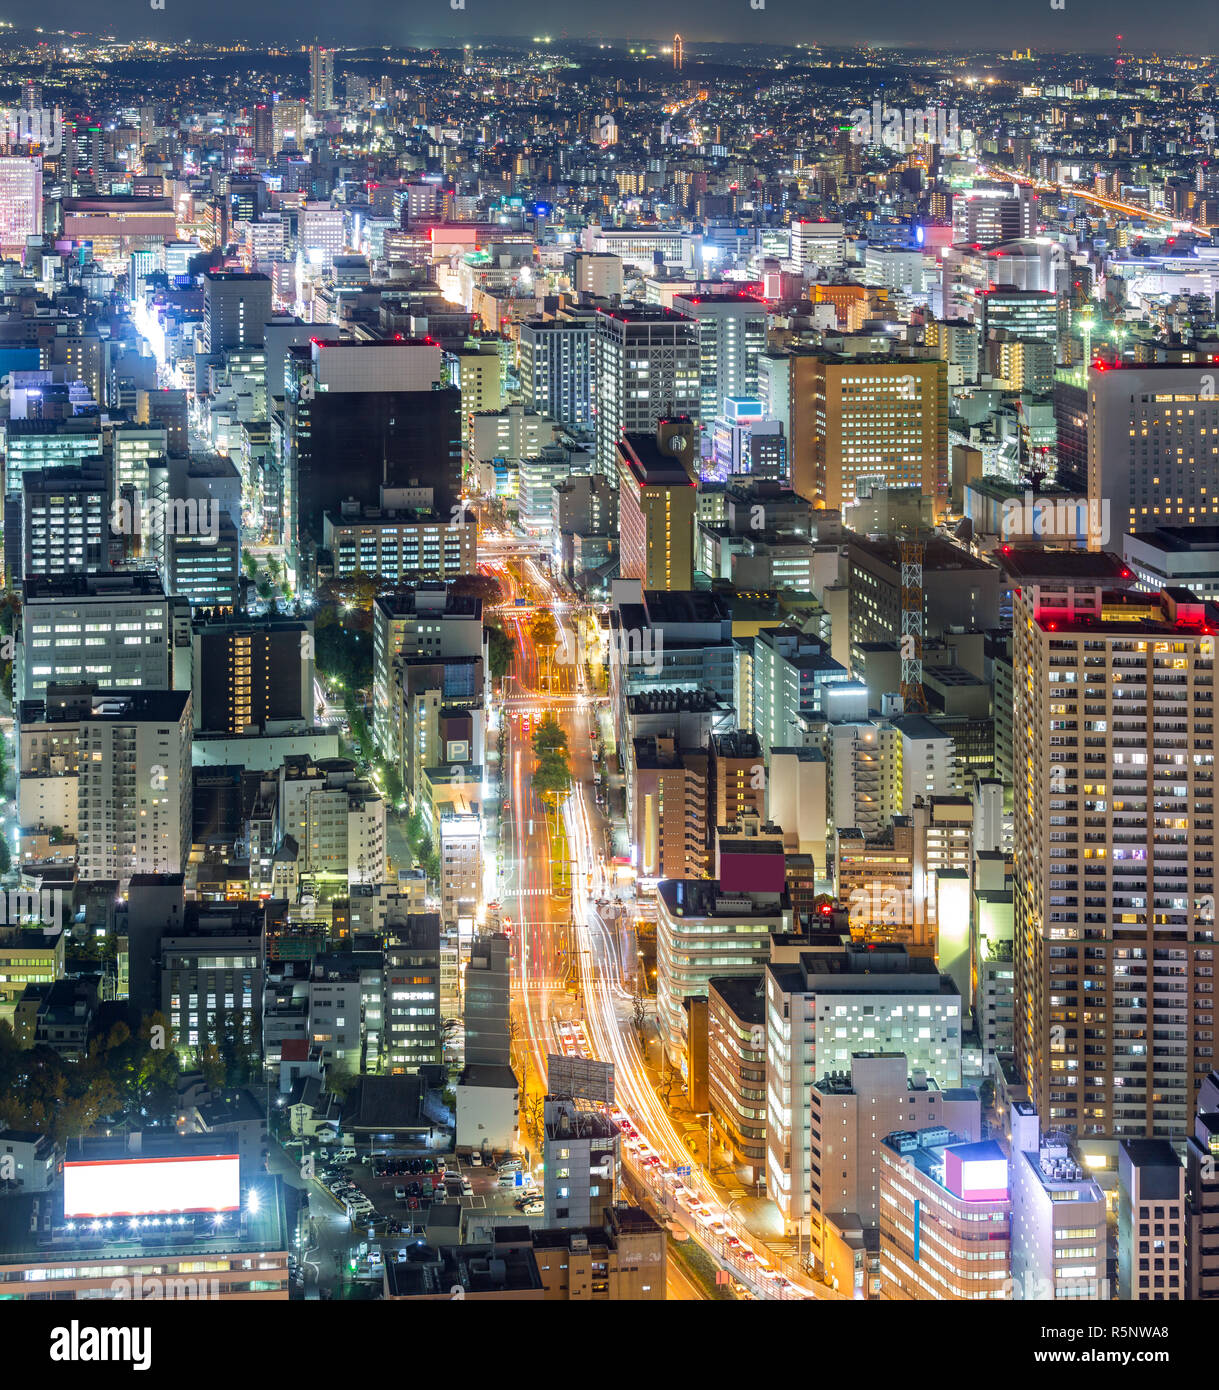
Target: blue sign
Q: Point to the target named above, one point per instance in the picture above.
(520, 1179)
(683, 1172)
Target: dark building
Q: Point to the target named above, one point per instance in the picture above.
(351, 444)
(236, 307)
(256, 674)
(1071, 417)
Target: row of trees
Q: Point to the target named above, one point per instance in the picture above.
(552, 777)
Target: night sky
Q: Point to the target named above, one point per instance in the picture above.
(1083, 26)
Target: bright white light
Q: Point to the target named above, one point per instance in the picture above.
(143, 1186)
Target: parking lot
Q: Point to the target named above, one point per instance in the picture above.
(395, 1219)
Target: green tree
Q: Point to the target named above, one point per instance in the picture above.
(552, 778)
(548, 737)
(501, 651)
(543, 629)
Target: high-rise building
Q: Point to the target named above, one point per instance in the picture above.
(118, 768)
(873, 419)
(818, 245)
(321, 79)
(262, 131)
(852, 1109)
(1113, 950)
(1151, 459)
(20, 201)
(647, 361)
(987, 214)
(1202, 1196)
(657, 505)
(731, 339)
(236, 307)
(557, 373)
(823, 1009)
(253, 675)
(114, 630)
(945, 1217)
(487, 1002)
(580, 1148)
(212, 969)
(65, 521)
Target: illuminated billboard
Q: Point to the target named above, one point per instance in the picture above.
(151, 1186)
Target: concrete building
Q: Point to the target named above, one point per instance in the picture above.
(852, 1110)
(945, 1217)
(580, 1156)
(703, 931)
(1150, 1222)
(736, 1069)
(647, 369)
(212, 971)
(236, 306)
(657, 504)
(1058, 1216)
(731, 339)
(1202, 1197)
(487, 1002)
(822, 1009)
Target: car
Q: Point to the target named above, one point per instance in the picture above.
(440, 1165)
(476, 1159)
(401, 1255)
(718, 1228)
(534, 1207)
(652, 1161)
(780, 1282)
(374, 1257)
(732, 1242)
(429, 1165)
(681, 1192)
(413, 1189)
(399, 1194)
(746, 1254)
(416, 1165)
(412, 1203)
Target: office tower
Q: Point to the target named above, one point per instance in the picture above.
(1058, 1216)
(322, 234)
(731, 339)
(818, 245)
(487, 1002)
(657, 503)
(132, 447)
(852, 1109)
(678, 53)
(235, 308)
(647, 370)
(1202, 1196)
(824, 1008)
(111, 629)
(993, 213)
(956, 342)
(1150, 1222)
(867, 419)
(20, 202)
(321, 79)
(1112, 951)
(1151, 459)
(1020, 314)
(204, 568)
(580, 1151)
(399, 542)
(115, 768)
(596, 274)
(667, 808)
(47, 445)
(253, 675)
(360, 417)
(702, 927)
(212, 970)
(288, 124)
(790, 675)
(336, 818)
(557, 373)
(945, 1217)
(262, 131)
(411, 1011)
(65, 521)
(167, 410)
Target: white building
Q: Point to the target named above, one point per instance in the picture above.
(337, 820)
(820, 1011)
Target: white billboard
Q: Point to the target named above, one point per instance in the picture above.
(151, 1186)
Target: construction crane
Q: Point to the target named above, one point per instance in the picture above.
(914, 697)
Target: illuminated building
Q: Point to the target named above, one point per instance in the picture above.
(321, 79)
(945, 1217)
(1150, 1222)
(824, 1008)
(20, 202)
(657, 502)
(1114, 802)
(731, 338)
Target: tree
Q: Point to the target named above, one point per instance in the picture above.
(552, 779)
(483, 586)
(6, 856)
(548, 737)
(500, 651)
(543, 629)
(638, 1016)
(394, 790)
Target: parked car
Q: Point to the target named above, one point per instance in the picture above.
(476, 1160)
(399, 1194)
(534, 1207)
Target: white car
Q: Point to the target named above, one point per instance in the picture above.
(476, 1159)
